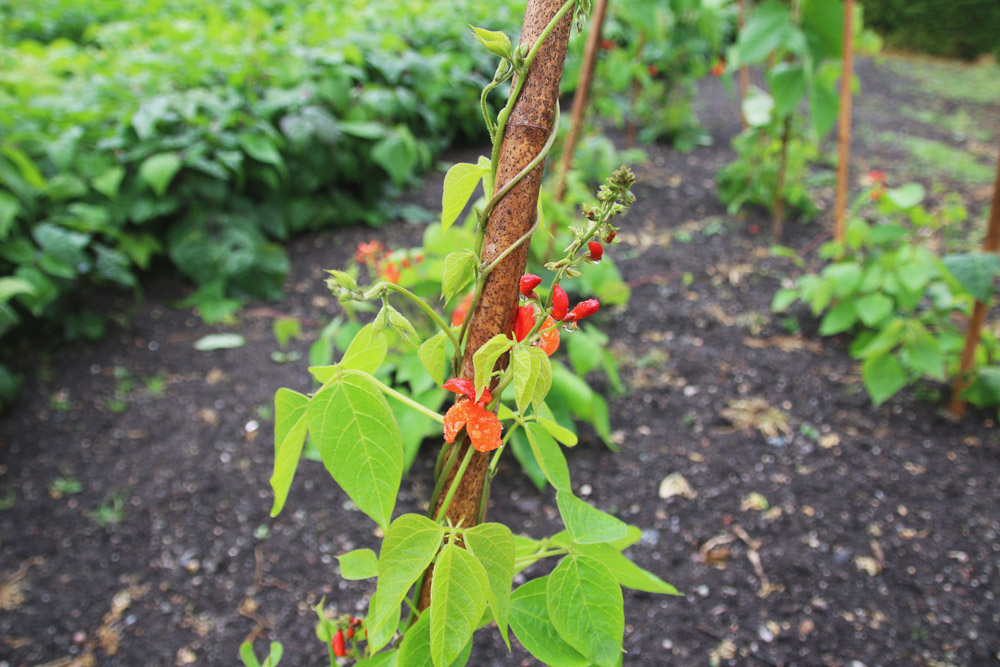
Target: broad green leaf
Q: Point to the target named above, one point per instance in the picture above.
(262, 149)
(415, 649)
(788, 85)
(549, 456)
(109, 181)
(906, 196)
(585, 351)
(459, 184)
(357, 436)
(433, 356)
(783, 298)
(459, 268)
(587, 524)
(366, 352)
(248, 656)
(225, 341)
(358, 564)
(9, 208)
(844, 277)
(824, 102)
(532, 377)
(289, 436)
(522, 452)
(485, 358)
(586, 607)
(885, 340)
(883, 376)
(560, 433)
(397, 153)
(158, 170)
(493, 546)
(975, 272)
(873, 308)
(922, 352)
(409, 546)
(768, 29)
(496, 42)
(387, 659)
(823, 25)
(11, 287)
(838, 319)
(458, 600)
(529, 618)
(627, 573)
(573, 389)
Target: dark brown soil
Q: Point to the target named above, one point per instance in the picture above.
(880, 544)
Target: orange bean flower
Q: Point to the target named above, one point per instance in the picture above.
(483, 427)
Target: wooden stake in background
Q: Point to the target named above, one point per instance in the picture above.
(581, 95)
(991, 244)
(744, 70)
(844, 124)
(778, 220)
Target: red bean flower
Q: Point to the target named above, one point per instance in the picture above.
(524, 322)
(582, 310)
(560, 303)
(458, 316)
(719, 68)
(337, 644)
(596, 250)
(529, 281)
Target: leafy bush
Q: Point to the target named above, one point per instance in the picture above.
(959, 28)
(905, 306)
(202, 133)
(653, 53)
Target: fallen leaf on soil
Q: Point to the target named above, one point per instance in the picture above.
(829, 441)
(806, 627)
(714, 552)
(726, 650)
(784, 343)
(16, 642)
(745, 414)
(12, 585)
(868, 564)
(674, 484)
(186, 656)
(754, 501)
(215, 376)
(772, 514)
(107, 635)
(915, 468)
(223, 341)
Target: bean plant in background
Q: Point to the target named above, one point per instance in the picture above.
(902, 301)
(653, 54)
(501, 382)
(800, 46)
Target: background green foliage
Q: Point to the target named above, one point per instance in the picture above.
(960, 28)
(200, 133)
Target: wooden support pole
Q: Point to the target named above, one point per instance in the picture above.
(744, 70)
(527, 130)
(991, 244)
(844, 124)
(581, 95)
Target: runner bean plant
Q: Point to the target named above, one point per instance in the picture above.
(455, 577)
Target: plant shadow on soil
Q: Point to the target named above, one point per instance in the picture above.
(863, 534)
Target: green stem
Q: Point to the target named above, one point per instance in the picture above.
(535, 557)
(454, 484)
(406, 400)
(519, 84)
(503, 446)
(441, 324)
(442, 475)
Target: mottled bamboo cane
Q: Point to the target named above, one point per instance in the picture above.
(844, 124)
(991, 244)
(528, 128)
(581, 95)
